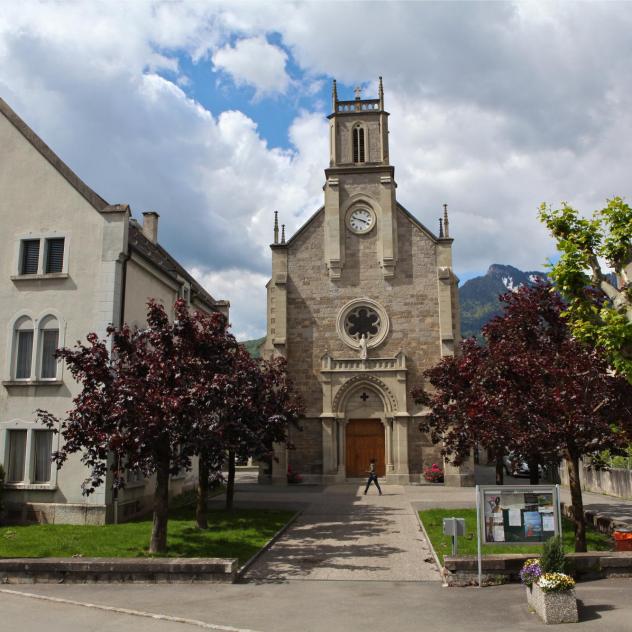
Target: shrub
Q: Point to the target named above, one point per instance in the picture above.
(553, 559)
(434, 474)
(292, 476)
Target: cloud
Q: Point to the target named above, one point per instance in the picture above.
(254, 62)
(247, 300)
(494, 108)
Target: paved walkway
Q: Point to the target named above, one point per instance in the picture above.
(344, 535)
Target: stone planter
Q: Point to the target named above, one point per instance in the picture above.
(553, 607)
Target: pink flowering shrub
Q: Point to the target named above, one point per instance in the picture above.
(433, 474)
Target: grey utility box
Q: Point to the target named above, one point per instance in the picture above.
(454, 526)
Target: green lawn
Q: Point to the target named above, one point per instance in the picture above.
(239, 533)
(433, 522)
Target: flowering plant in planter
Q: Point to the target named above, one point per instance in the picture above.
(556, 582)
(550, 594)
(531, 572)
(292, 476)
(433, 474)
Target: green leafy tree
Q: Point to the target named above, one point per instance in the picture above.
(599, 312)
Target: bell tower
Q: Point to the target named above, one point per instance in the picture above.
(360, 183)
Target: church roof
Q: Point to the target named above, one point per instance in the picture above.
(155, 253)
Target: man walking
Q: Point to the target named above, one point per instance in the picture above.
(372, 478)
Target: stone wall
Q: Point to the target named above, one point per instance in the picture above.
(502, 569)
(314, 300)
(66, 570)
(613, 482)
(306, 456)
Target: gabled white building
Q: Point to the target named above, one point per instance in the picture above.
(70, 263)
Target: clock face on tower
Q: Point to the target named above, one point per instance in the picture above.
(361, 220)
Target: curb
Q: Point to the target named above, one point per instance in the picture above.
(266, 547)
(434, 553)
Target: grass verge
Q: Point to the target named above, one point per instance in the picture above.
(239, 533)
(442, 544)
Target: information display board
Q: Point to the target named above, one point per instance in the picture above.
(517, 514)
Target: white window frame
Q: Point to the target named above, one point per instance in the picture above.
(36, 356)
(29, 460)
(39, 360)
(41, 264)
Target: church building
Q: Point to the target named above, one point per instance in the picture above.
(362, 300)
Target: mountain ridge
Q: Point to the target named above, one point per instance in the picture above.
(478, 297)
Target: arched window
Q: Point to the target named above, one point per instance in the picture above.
(48, 343)
(358, 144)
(23, 348)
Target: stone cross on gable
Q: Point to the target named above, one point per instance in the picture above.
(358, 92)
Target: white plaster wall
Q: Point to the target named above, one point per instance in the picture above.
(36, 200)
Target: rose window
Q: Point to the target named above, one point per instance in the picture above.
(362, 317)
(362, 321)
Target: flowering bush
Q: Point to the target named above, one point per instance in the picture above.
(292, 476)
(555, 582)
(530, 572)
(434, 474)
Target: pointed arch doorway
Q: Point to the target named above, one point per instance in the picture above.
(365, 440)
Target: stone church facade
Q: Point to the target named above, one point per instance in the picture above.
(361, 301)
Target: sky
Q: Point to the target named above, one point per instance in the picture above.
(214, 115)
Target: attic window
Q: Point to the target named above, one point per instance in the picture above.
(358, 144)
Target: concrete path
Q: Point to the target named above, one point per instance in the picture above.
(344, 535)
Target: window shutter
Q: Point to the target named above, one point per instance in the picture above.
(30, 256)
(25, 351)
(17, 456)
(49, 346)
(55, 255)
(42, 452)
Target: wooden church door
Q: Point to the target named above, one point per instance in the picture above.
(365, 441)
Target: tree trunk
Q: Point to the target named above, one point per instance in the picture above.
(572, 463)
(500, 472)
(534, 471)
(158, 543)
(201, 509)
(230, 483)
